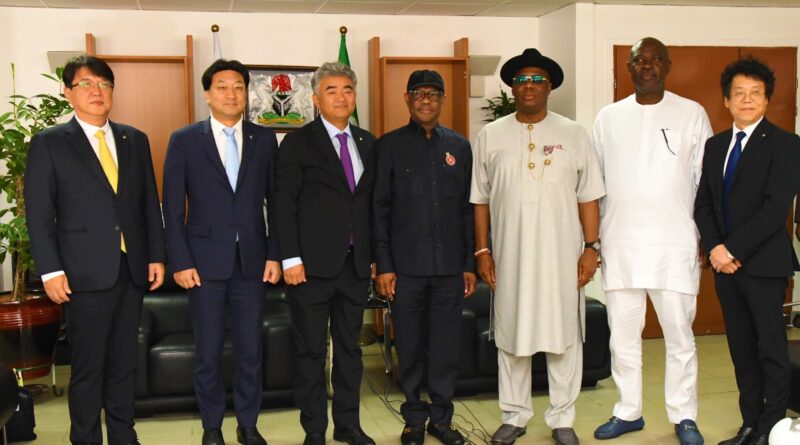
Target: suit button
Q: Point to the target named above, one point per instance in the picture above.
(116, 228)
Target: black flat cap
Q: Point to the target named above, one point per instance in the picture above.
(532, 58)
(425, 78)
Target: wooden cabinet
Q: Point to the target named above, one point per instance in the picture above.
(388, 77)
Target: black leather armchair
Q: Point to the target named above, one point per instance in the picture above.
(9, 397)
(166, 353)
(478, 355)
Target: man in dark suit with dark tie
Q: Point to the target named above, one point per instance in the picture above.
(749, 180)
(323, 197)
(97, 239)
(221, 251)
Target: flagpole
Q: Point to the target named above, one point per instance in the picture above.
(217, 44)
(344, 58)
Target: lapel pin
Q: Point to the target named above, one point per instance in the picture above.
(251, 137)
(124, 137)
(763, 135)
(360, 139)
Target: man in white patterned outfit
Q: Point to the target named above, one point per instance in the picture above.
(536, 182)
(650, 147)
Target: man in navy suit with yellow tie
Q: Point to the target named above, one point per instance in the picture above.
(221, 251)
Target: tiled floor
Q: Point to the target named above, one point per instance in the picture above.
(718, 418)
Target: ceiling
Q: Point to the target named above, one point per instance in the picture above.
(497, 8)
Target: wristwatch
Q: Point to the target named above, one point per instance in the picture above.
(592, 245)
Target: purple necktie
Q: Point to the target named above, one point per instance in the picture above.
(347, 163)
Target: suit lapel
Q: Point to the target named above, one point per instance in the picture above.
(248, 142)
(751, 149)
(363, 152)
(77, 139)
(123, 145)
(325, 145)
(210, 147)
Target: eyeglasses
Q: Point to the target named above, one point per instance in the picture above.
(85, 85)
(535, 78)
(433, 95)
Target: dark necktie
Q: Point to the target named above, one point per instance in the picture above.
(727, 179)
(347, 163)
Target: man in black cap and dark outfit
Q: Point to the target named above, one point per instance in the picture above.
(423, 244)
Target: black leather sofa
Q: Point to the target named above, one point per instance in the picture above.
(478, 355)
(166, 352)
(8, 395)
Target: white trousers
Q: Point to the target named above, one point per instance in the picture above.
(626, 318)
(564, 373)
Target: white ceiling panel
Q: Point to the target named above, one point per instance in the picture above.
(291, 6)
(91, 4)
(352, 7)
(499, 8)
(452, 9)
(186, 5)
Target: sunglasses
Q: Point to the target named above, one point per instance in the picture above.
(536, 79)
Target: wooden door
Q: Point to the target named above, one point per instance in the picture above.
(695, 74)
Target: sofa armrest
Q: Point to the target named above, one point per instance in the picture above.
(146, 322)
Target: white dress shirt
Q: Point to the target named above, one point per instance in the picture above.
(221, 139)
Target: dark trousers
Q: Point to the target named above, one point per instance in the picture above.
(243, 299)
(426, 312)
(752, 308)
(313, 303)
(103, 328)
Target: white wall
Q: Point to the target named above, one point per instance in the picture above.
(676, 25)
(276, 39)
(557, 41)
(26, 34)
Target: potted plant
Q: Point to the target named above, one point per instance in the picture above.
(29, 323)
(499, 106)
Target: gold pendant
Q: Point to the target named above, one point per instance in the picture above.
(531, 165)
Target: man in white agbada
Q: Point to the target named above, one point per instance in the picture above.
(536, 182)
(650, 147)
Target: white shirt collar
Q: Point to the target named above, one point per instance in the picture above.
(90, 129)
(748, 130)
(333, 131)
(217, 126)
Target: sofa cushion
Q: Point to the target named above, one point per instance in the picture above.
(172, 364)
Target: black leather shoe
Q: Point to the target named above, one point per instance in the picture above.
(249, 436)
(741, 438)
(352, 435)
(447, 434)
(413, 435)
(314, 439)
(759, 439)
(213, 437)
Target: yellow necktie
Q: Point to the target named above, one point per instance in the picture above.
(110, 169)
